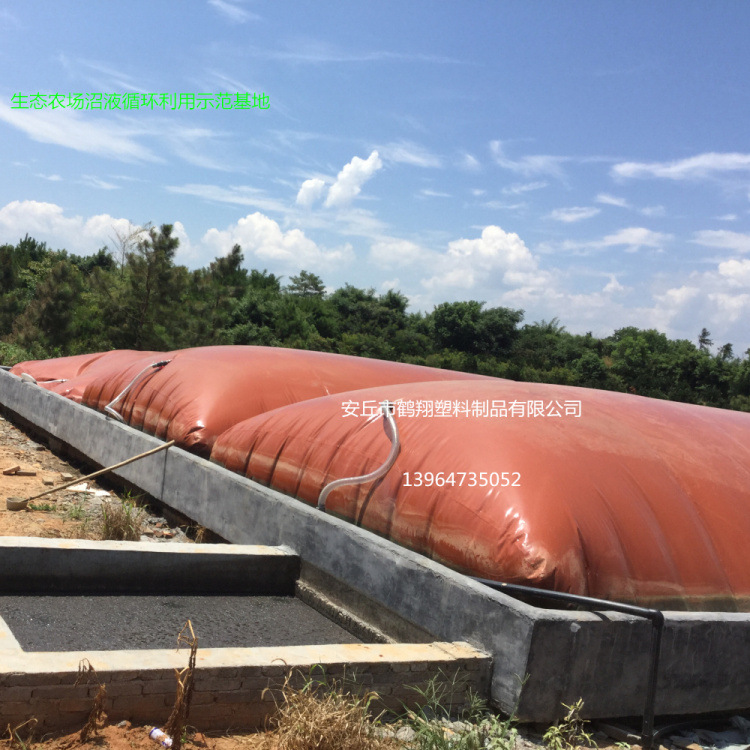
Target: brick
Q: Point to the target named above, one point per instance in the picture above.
(15, 694)
(199, 699)
(159, 686)
(140, 704)
(225, 672)
(15, 708)
(237, 696)
(76, 704)
(123, 676)
(36, 679)
(275, 670)
(214, 683)
(401, 667)
(62, 691)
(258, 683)
(149, 675)
(124, 688)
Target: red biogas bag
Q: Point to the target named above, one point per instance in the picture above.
(204, 391)
(591, 492)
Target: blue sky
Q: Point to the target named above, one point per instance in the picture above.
(585, 160)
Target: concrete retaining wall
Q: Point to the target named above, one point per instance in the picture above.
(600, 657)
(30, 565)
(229, 683)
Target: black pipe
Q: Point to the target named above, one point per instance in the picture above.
(590, 603)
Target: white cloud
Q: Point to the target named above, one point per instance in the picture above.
(406, 152)
(500, 206)
(311, 192)
(389, 252)
(47, 222)
(350, 179)
(575, 213)
(731, 307)
(262, 238)
(634, 238)
(653, 211)
(528, 165)
(613, 285)
(50, 177)
(469, 261)
(427, 193)
(526, 187)
(736, 271)
(611, 200)
(239, 195)
(95, 182)
(727, 217)
(723, 238)
(233, 11)
(695, 167)
(85, 134)
(469, 162)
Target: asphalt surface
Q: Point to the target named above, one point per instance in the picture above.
(105, 623)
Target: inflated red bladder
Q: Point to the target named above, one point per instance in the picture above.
(69, 376)
(586, 491)
(204, 391)
(591, 492)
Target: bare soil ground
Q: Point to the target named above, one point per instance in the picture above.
(69, 513)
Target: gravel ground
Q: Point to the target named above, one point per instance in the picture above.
(101, 623)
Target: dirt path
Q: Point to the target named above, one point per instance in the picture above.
(71, 513)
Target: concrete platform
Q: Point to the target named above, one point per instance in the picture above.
(601, 657)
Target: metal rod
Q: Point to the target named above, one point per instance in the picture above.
(590, 603)
(104, 471)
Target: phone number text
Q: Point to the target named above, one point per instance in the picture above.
(462, 479)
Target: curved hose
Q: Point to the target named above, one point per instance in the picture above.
(108, 408)
(389, 425)
(31, 379)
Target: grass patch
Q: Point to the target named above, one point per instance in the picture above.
(121, 521)
(478, 728)
(43, 507)
(324, 715)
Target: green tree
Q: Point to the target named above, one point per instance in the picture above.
(306, 284)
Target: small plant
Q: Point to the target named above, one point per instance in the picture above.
(98, 716)
(76, 512)
(43, 507)
(571, 732)
(321, 715)
(176, 726)
(121, 521)
(479, 730)
(15, 741)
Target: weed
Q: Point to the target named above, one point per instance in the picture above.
(480, 728)
(176, 726)
(121, 521)
(570, 732)
(15, 741)
(98, 716)
(76, 512)
(44, 507)
(321, 715)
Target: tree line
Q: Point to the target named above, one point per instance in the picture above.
(53, 303)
